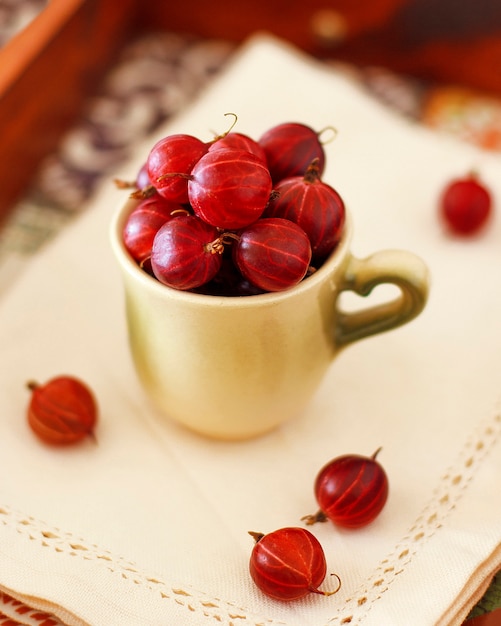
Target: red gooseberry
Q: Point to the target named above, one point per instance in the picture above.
(289, 148)
(229, 188)
(186, 252)
(62, 411)
(288, 564)
(273, 253)
(465, 205)
(239, 141)
(143, 223)
(312, 204)
(170, 162)
(142, 185)
(351, 491)
(142, 177)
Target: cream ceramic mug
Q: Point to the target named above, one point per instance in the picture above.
(236, 367)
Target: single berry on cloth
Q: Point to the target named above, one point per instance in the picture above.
(351, 491)
(465, 205)
(62, 411)
(288, 564)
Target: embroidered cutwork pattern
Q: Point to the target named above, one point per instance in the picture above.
(450, 490)
(218, 610)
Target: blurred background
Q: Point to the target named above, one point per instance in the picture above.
(82, 80)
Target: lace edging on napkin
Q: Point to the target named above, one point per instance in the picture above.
(453, 485)
(63, 542)
(449, 492)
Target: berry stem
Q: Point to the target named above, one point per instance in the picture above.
(328, 593)
(228, 237)
(145, 192)
(215, 247)
(92, 436)
(173, 174)
(124, 184)
(257, 536)
(235, 120)
(319, 516)
(333, 130)
(179, 212)
(217, 137)
(373, 457)
(312, 174)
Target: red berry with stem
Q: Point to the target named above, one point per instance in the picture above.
(62, 411)
(273, 253)
(313, 205)
(143, 223)
(239, 141)
(288, 564)
(290, 148)
(351, 491)
(170, 162)
(465, 205)
(186, 253)
(229, 188)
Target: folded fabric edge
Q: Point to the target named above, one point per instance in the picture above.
(473, 590)
(27, 610)
(139, 597)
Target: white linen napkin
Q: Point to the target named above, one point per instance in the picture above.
(149, 525)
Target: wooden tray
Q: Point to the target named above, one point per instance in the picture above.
(49, 69)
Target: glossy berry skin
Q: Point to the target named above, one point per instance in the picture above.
(142, 177)
(314, 206)
(186, 253)
(63, 411)
(290, 148)
(466, 205)
(170, 163)
(239, 141)
(351, 491)
(143, 223)
(273, 254)
(229, 188)
(287, 564)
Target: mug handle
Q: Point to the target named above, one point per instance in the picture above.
(398, 267)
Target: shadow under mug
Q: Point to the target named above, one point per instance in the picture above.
(233, 368)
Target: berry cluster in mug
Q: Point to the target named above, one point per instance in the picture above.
(235, 216)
